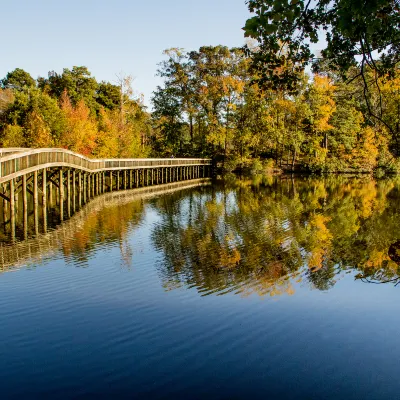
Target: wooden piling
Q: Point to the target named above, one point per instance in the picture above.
(25, 206)
(35, 202)
(12, 209)
(44, 199)
(61, 192)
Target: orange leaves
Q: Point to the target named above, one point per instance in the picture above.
(81, 130)
(6, 98)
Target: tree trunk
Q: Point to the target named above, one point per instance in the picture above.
(191, 130)
(294, 159)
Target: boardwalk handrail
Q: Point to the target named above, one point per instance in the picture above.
(22, 161)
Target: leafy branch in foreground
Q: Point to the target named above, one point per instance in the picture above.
(356, 33)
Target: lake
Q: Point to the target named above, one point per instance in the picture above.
(262, 287)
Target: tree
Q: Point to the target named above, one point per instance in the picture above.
(19, 113)
(354, 32)
(80, 133)
(108, 95)
(78, 83)
(18, 79)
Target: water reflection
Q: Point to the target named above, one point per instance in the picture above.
(262, 235)
(108, 219)
(266, 234)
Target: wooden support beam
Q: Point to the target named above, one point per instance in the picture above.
(80, 189)
(35, 202)
(69, 192)
(44, 199)
(73, 191)
(61, 193)
(25, 206)
(12, 209)
(3, 196)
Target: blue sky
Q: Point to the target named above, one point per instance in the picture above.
(112, 36)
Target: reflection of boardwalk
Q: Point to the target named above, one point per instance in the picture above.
(44, 246)
(58, 176)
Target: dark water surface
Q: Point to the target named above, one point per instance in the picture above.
(246, 288)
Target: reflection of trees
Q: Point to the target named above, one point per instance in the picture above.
(260, 236)
(105, 220)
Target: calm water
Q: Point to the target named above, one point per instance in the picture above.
(265, 288)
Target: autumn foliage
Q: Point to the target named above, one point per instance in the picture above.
(210, 104)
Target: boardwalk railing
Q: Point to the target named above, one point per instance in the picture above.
(15, 162)
(62, 178)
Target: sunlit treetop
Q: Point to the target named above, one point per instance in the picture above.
(357, 32)
(18, 79)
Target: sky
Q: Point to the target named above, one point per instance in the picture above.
(110, 37)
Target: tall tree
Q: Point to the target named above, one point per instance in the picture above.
(18, 80)
(78, 83)
(354, 32)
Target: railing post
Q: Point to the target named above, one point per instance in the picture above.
(73, 190)
(12, 209)
(50, 194)
(80, 188)
(84, 187)
(35, 202)
(61, 184)
(69, 192)
(44, 200)
(25, 206)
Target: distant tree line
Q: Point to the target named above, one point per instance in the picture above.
(213, 103)
(74, 111)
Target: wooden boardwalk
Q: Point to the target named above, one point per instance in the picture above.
(32, 181)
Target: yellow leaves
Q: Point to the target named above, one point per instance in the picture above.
(370, 150)
(214, 208)
(322, 103)
(367, 197)
(318, 221)
(229, 258)
(376, 259)
(37, 132)
(285, 105)
(81, 131)
(325, 112)
(320, 240)
(13, 136)
(107, 145)
(323, 85)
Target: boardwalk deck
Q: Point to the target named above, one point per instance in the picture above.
(33, 179)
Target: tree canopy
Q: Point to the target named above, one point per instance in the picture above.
(355, 31)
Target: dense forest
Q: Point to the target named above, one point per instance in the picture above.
(254, 107)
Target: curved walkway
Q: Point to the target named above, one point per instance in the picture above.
(15, 162)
